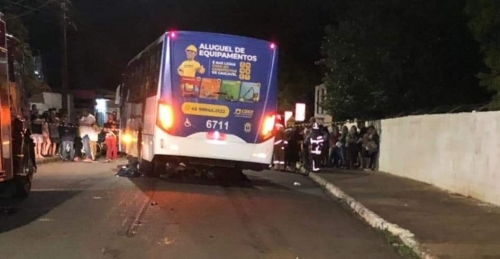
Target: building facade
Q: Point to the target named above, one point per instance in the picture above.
(319, 112)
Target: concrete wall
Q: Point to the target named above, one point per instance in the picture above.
(457, 152)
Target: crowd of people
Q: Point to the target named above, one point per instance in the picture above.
(319, 146)
(54, 135)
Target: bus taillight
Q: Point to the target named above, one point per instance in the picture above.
(268, 125)
(172, 34)
(165, 116)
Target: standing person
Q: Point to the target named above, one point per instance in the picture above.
(46, 135)
(54, 134)
(334, 152)
(279, 145)
(316, 145)
(325, 148)
(363, 130)
(36, 133)
(293, 149)
(305, 147)
(352, 147)
(374, 146)
(68, 133)
(34, 113)
(93, 139)
(343, 145)
(111, 130)
(86, 123)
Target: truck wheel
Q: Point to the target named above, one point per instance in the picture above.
(23, 183)
(23, 186)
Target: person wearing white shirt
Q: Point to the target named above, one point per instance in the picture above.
(86, 130)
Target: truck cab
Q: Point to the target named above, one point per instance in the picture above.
(17, 160)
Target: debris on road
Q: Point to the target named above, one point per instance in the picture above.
(296, 184)
(154, 203)
(97, 198)
(166, 241)
(126, 171)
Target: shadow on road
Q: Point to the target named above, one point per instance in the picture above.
(185, 183)
(15, 213)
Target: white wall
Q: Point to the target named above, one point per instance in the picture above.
(457, 152)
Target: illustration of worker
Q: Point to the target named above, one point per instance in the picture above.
(187, 70)
(189, 67)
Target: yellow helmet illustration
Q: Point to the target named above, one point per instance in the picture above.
(191, 48)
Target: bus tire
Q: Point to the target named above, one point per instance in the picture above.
(145, 167)
(158, 168)
(152, 169)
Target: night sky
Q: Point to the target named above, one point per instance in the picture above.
(109, 33)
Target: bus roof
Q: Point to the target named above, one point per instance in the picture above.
(222, 35)
(157, 41)
(162, 38)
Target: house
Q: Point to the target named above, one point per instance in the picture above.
(319, 112)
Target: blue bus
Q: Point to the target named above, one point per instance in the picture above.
(201, 100)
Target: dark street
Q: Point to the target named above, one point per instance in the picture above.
(84, 211)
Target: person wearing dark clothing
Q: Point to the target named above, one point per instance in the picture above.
(343, 145)
(55, 137)
(316, 142)
(326, 147)
(68, 133)
(36, 134)
(352, 147)
(293, 149)
(335, 158)
(374, 147)
(363, 130)
(279, 145)
(306, 148)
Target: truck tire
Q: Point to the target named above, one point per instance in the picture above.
(23, 187)
(23, 183)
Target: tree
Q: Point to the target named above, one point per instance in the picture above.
(294, 83)
(485, 26)
(385, 57)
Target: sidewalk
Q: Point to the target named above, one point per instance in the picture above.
(45, 160)
(445, 224)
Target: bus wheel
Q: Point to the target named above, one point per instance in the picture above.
(236, 174)
(158, 168)
(152, 169)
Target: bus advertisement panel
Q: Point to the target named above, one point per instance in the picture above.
(220, 83)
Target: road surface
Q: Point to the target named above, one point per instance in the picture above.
(80, 210)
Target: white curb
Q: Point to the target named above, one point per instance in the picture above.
(371, 217)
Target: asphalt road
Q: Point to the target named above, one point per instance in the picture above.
(80, 210)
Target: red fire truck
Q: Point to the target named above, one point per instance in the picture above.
(17, 160)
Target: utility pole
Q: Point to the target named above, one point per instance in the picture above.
(64, 72)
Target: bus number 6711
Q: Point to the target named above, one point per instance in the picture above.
(217, 125)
